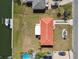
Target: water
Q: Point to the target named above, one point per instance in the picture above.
(5, 40)
(5, 32)
(6, 8)
(26, 56)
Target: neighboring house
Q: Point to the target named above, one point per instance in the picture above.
(43, 4)
(38, 5)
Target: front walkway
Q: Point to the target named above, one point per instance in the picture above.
(70, 22)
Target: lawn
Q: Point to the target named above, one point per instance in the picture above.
(23, 29)
(59, 42)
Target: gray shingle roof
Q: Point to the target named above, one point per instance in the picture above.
(38, 4)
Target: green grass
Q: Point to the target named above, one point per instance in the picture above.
(59, 42)
(18, 9)
(68, 7)
(17, 36)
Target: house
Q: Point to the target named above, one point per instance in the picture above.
(38, 6)
(46, 37)
(44, 31)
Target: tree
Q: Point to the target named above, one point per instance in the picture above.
(40, 55)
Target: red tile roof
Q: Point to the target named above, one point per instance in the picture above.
(46, 31)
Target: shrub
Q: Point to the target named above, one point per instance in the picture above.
(30, 51)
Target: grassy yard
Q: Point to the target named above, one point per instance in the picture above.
(24, 23)
(59, 42)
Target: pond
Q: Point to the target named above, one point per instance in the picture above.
(6, 8)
